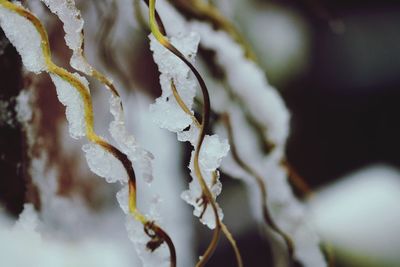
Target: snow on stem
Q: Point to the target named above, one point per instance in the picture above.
(205, 10)
(206, 197)
(62, 77)
(270, 123)
(261, 185)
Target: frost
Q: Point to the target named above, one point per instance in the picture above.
(127, 142)
(73, 27)
(212, 152)
(70, 97)
(123, 199)
(39, 251)
(168, 114)
(99, 160)
(28, 220)
(190, 135)
(24, 37)
(23, 107)
(166, 111)
(105, 165)
(263, 103)
(23, 110)
(289, 214)
(248, 82)
(161, 198)
(159, 257)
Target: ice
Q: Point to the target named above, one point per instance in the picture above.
(123, 199)
(212, 152)
(159, 257)
(167, 114)
(286, 210)
(127, 142)
(23, 106)
(192, 197)
(162, 197)
(210, 160)
(166, 111)
(73, 27)
(248, 82)
(24, 37)
(190, 135)
(28, 220)
(49, 252)
(105, 165)
(259, 99)
(174, 23)
(71, 17)
(70, 97)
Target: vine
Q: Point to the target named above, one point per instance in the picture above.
(156, 233)
(206, 197)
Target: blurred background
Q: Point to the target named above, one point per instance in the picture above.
(336, 65)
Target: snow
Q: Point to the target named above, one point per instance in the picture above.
(40, 251)
(166, 111)
(289, 214)
(257, 98)
(23, 107)
(212, 152)
(159, 257)
(168, 114)
(105, 165)
(24, 37)
(28, 220)
(248, 82)
(161, 199)
(99, 160)
(359, 213)
(141, 158)
(70, 97)
(73, 27)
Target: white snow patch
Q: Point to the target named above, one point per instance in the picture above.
(24, 37)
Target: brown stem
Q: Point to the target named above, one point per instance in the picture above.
(261, 185)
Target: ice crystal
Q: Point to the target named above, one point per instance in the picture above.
(73, 27)
(24, 37)
(71, 98)
(168, 114)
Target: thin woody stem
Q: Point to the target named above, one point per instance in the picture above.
(154, 26)
(204, 10)
(261, 185)
(83, 91)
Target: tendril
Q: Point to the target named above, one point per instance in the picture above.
(159, 234)
(261, 185)
(207, 196)
(204, 10)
